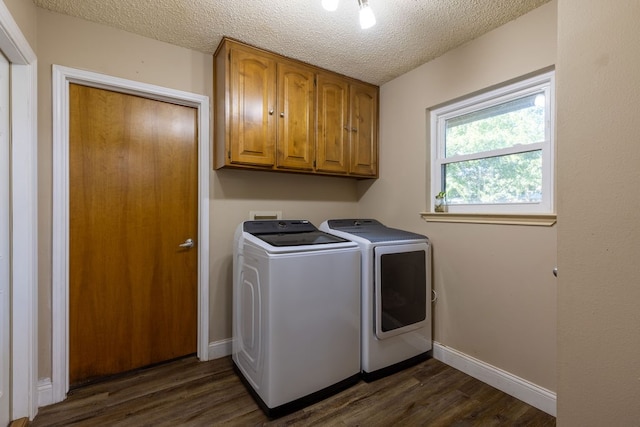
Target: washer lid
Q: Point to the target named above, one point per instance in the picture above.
(289, 233)
(372, 230)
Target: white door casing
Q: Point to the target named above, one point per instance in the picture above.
(23, 208)
(5, 262)
(62, 76)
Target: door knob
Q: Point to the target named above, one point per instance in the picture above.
(187, 244)
(555, 271)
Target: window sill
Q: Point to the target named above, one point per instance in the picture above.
(544, 220)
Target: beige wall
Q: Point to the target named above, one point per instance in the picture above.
(495, 291)
(24, 13)
(496, 294)
(598, 82)
(80, 44)
(487, 307)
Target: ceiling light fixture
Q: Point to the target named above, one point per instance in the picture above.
(367, 18)
(330, 5)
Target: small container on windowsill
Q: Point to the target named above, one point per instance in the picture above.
(440, 204)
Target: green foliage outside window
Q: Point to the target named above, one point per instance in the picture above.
(502, 176)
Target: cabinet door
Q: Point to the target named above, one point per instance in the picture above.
(364, 130)
(332, 152)
(252, 94)
(296, 131)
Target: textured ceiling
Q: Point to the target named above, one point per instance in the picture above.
(408, 33)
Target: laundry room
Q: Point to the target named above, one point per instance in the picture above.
(495, 292)
(493, 302)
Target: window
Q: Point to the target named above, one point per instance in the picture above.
(493, 153)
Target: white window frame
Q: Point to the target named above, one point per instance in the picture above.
(545, 82)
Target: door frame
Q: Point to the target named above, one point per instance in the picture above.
(24, 216)
(62, 77)
(5, 244)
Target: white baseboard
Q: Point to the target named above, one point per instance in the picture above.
(218, 349)
(534, 395)
(45, 392)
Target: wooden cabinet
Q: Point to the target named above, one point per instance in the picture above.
(275, 113)
(295, 145)
(347, 131)
(251, 124)
(363, 119)
(332, 126)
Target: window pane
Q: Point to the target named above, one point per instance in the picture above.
(520, 121)
(514, 178)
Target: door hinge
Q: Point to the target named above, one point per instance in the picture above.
(314, 164)
(229, 154)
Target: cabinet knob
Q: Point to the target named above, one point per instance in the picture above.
(271, 112)
(282, 114)
(354, 130)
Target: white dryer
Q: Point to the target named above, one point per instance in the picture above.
(396, 294)
(296, 313)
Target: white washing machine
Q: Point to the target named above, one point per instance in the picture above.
(396, 294)
(296, 313)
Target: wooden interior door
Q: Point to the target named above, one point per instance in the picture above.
(133, 185)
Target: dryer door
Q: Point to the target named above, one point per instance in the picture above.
(402, 286)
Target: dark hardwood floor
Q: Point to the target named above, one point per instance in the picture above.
(187, 392)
